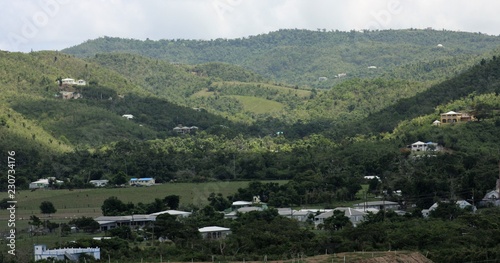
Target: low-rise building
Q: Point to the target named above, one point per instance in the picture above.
(214, 232)
(44, 183)
(379, 205)
(73, 254)
(99, 183)
(355, 215)
(142, 181)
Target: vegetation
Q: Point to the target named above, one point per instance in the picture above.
(262, 115)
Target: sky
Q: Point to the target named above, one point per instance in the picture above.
(27, 25)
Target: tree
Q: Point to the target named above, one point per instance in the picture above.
(114, 206)
(337, 221)
(172, 201)
(47, 207)
(218, 202)
(87, 224)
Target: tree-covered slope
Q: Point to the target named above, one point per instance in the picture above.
(303, 56)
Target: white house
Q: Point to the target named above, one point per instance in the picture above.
(73, 254)
(81, 82)
(128, 116)
(493, 197)
(99, 183)
(44, 183)
(68, 81)
(142, 181)
(214, 232)
(185, 129)
(298, 215)
(425, 146)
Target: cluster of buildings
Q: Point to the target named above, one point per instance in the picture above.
(66, 91)
(72, 254)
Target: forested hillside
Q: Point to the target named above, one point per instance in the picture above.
(302, 57)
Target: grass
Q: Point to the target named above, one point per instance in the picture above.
(258, 105)
(87, 202)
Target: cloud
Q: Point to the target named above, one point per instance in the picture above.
(56, 24)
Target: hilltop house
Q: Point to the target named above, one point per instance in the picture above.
(214, 232)
(128, 116)
(70, 81)
(142, 181)
(73, 254)
(455, 117)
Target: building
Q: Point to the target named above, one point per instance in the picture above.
(455, 117)
(424, 146)
(44, 183)
(492, 198)
(99, 183)
(436, 123)
(73, 254)
(128, 116)
(184, 130)
(355, 215)
(68, 81)
(134, 221)
(142, 181)
(379, 205)
(81, 82)
(299, 215)
(462, 204)
(214, 232)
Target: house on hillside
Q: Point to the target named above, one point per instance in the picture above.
(424, 146)
(68, 81)
(184, 130)
(67, 95)
(128, 116)
(214, 232)
(73, 254)
(455, 117)
(142, 181)
(492, 198)
(81, 82)
(299, 215)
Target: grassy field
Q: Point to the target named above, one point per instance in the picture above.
(258, 105)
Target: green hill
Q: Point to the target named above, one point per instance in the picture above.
(303, 56)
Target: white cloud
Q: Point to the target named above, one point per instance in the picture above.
(56, 24)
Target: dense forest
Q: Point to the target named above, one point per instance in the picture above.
(271, 107)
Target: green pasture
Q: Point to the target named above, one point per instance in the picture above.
(258, 105)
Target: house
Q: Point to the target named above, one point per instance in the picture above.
(44, 183)
(214, 232)
(462, 204)
(184, 130)
(246, 209)
(492, 197)
(355, 215)
(68, 81)
(128, 116)
(322, 79)
(298, 215)
(455, 117)
(99, 183)
(73, 254)
(142, 181)
(424, 146)
(81, 82)
(379, 205)
(436, 123)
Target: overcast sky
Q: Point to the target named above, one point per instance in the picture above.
(56, 24)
